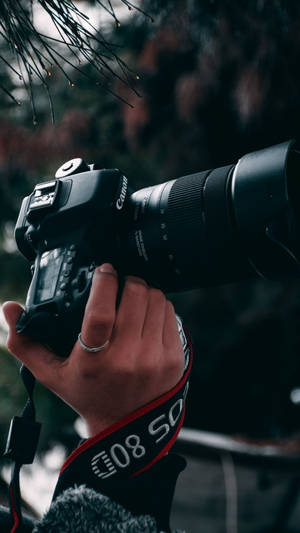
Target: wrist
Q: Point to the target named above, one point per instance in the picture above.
(94, 426)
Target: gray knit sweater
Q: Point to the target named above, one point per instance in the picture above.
(83, 510)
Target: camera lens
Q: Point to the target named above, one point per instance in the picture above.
(218, 226)
(183, 234)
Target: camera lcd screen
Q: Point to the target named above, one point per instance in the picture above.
(50, 264)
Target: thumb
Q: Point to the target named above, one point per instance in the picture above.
(41, 361)
(12, 312)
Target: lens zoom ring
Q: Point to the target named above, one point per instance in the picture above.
(185, 205)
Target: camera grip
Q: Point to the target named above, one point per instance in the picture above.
(37, 326)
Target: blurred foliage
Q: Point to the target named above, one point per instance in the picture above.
(217, 80)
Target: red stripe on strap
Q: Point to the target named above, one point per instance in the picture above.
(165, 450)
(14, 512)
(133, 416)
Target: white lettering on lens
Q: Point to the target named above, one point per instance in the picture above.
(120, 201)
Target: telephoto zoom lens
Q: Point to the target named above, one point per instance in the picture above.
(218, 226)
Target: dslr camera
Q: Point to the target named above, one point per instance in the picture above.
(207, 228)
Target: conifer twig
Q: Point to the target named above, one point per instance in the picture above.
(37, 54)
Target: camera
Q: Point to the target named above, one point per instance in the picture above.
(217, 226)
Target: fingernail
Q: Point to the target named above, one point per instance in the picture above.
(107, 268)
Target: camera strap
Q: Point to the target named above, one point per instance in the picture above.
(132, 445)
(124, 450)
(21, 446)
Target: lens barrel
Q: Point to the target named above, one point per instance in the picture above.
(220, 225)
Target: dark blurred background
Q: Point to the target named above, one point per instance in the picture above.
(217, 79)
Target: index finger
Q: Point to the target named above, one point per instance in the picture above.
(100, 311)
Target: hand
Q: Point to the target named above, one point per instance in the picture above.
(143, 359)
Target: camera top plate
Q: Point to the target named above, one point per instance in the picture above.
(42, 198)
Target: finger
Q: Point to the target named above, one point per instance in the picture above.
(132, 309)
(174, 359)
(100, 312)
(171, 335)
(155, 315)
(41, 362)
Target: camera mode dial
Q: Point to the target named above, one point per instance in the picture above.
(74, 166)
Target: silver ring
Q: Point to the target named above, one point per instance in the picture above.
(91, 349)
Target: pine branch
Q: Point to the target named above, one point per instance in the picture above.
(37, 54)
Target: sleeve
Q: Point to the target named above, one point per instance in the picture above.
(149, 493)
(82, 510)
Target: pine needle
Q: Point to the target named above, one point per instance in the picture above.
(36, 54)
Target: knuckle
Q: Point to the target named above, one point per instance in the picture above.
(132, 348)
(12, 344)
(124, 369)
(136, 280)
(148, 367)
(157, 295)
(99, 318)
(84, 367)
(170, 307)
(107, 320)
(175, 365)
(87, 370)
(92, 318)
(130, 353)
(136, 285)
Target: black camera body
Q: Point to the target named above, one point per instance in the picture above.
(212, 227)
(66, 227)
